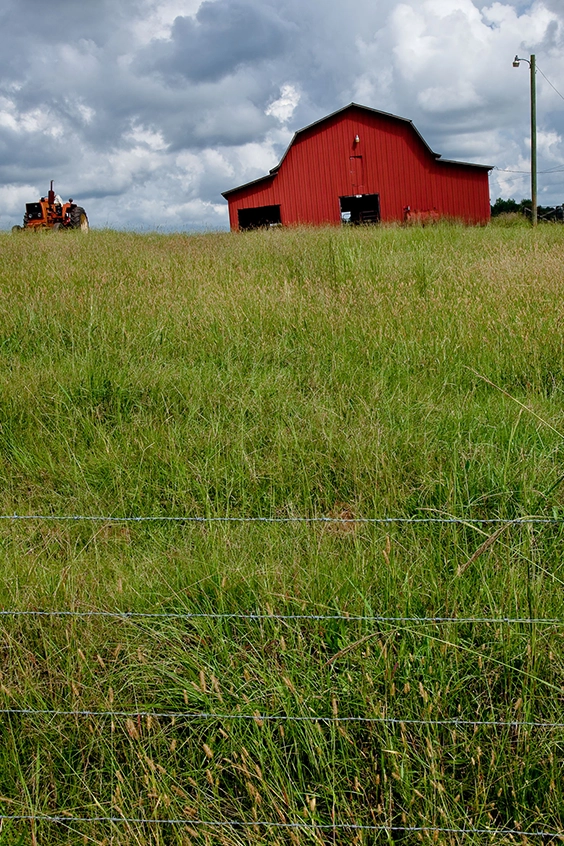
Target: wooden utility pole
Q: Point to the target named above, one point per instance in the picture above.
(533, 68)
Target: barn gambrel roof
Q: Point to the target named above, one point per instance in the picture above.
(272, 173)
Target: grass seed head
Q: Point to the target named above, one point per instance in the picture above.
(288, 684)
(203, 685)
(258, 721)
(132, 729)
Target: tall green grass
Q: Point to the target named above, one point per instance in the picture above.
(354, 372)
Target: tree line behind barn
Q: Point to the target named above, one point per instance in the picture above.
(554, 214)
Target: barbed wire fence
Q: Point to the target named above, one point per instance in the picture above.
(312, 828)
(375, 521)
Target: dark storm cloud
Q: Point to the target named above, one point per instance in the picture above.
(223, 36)
(554, 37)
(32, 33)
(555, 6)
(20, 154)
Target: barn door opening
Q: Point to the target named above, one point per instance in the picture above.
(259, 216)
(360, 209)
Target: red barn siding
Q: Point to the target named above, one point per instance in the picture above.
(396, 164)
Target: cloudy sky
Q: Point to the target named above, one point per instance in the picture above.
(146, 110)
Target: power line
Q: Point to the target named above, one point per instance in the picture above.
(555, 169)
(550, 83)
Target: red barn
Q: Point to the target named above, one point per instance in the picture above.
(365, 166)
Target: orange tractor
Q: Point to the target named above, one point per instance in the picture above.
(51, 213)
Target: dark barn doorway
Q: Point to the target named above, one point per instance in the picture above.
(363, 208)
(259, 216)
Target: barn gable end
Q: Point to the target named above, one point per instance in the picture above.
(361, 165)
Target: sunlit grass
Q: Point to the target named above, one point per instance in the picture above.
(358, 372)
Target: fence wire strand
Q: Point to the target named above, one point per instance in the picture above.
(301, 826)
(350, 618)
(288, 718)
(468, 521)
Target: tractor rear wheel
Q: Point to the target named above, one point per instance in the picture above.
(17, 228)
(78, 219)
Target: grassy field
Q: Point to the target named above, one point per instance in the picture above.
(356, 373)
